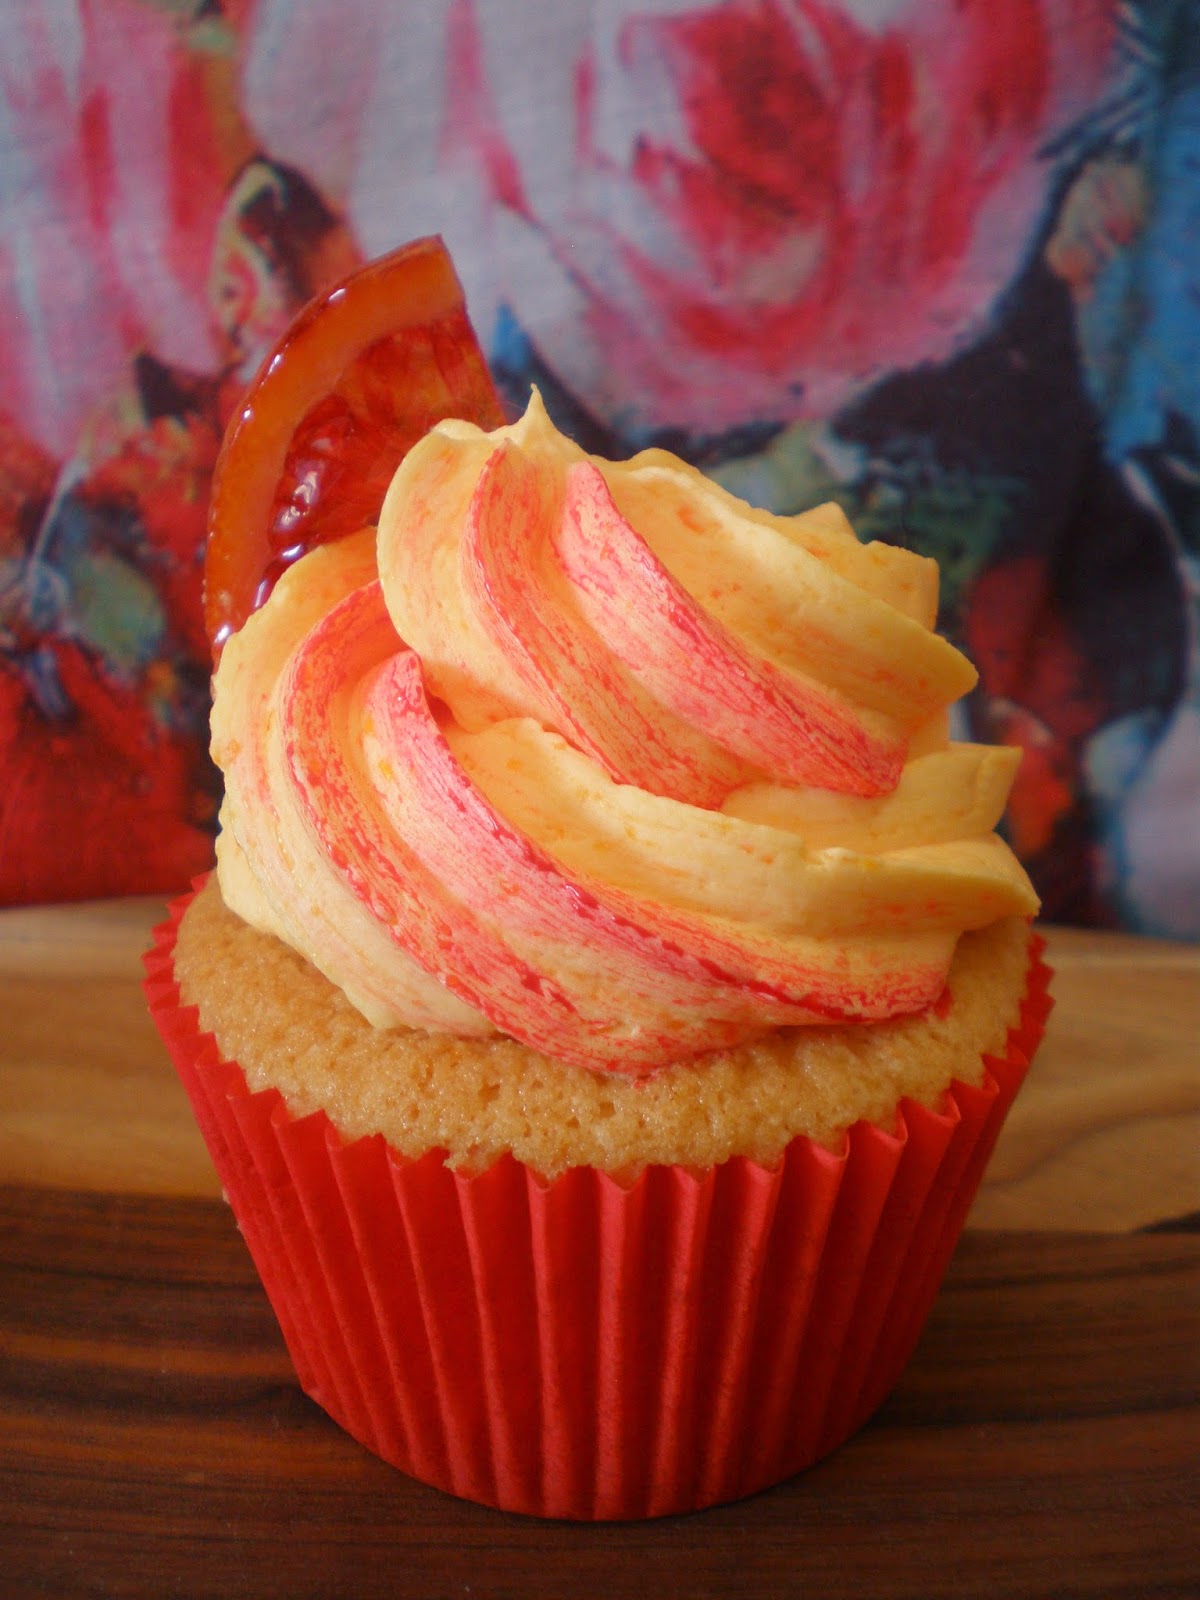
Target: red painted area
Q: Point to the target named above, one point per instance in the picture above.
(811, 198)
(1041, 695)
(198, 171)
(109, 759)
(96, 140)
(472, 122)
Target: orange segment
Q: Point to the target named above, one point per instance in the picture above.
(364, 371)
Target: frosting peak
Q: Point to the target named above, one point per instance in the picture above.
(596, 755)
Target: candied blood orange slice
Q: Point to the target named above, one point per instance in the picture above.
(364, 371)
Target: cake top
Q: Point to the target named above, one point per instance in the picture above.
(479, 1099)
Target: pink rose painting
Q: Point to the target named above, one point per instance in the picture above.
(709, 215)
(110, 188)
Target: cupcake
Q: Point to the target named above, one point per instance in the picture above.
(611, 985)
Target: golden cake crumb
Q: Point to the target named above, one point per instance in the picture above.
(289, 1028)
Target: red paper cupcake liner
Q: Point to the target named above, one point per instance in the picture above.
(582, 1348)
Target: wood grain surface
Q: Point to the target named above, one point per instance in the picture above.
(153, 1442)
(1044, 1442)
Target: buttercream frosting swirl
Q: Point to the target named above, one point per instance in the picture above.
(597, 756)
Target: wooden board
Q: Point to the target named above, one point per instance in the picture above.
(1044, 1441)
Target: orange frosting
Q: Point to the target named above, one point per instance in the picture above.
(596, 756)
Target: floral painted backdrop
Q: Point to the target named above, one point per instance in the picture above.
(937, 259)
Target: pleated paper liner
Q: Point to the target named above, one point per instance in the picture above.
(582, 1348)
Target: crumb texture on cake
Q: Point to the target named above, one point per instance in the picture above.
(290, 1029)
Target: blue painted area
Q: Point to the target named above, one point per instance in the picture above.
(1140, 329)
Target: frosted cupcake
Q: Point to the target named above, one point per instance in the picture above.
(612, 983)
